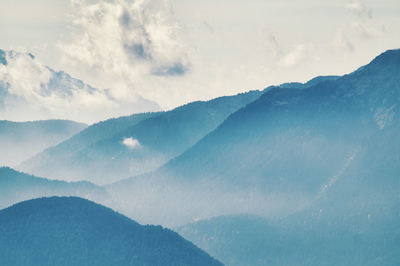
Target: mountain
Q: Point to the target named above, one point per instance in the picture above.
(353, 221)
(137, 146)
(32, 90)
(56, 161)
(21, 140)
(303, 238)
(16, 186)
(74, 231)
(273, 157)
(236, 240)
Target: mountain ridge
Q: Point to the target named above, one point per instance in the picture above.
(17, 186)
(160, 136)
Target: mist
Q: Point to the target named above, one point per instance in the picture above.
(21, 140)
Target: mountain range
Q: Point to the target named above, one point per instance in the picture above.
(295, 174)
(17, 186)
(277, 154)
(353, 217)
(119, 148)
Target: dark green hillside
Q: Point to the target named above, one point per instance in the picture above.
(73, 231)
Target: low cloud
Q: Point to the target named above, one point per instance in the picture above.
(131, 143)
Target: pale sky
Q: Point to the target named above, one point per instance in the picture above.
(177, 51)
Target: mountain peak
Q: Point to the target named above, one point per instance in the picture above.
(388, 57)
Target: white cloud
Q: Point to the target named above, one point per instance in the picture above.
(131, 143)
(125, 42)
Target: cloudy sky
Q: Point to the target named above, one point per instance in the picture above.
(175, 51)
